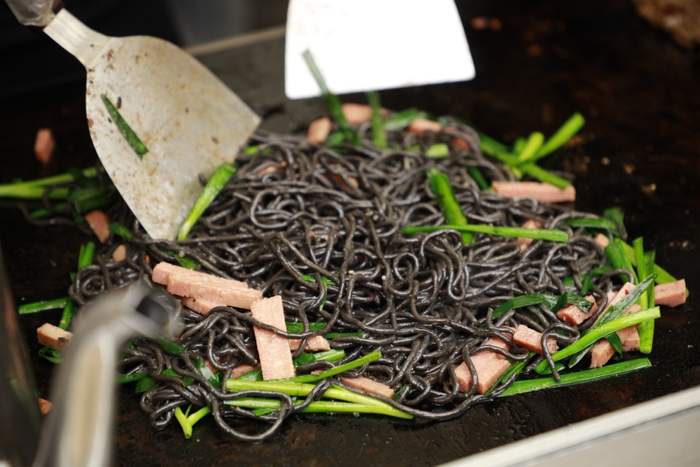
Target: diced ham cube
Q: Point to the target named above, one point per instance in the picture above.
(368, 385)
(319, 130)
(532, 340)
(494, 342)
(525, 242)
(313, 344)
(44, 406)
(240, 370)
(273, 350)
(574, 315)
(543, 192)
(601, 240)
(671, 294)
(356, 114)
(44, 145)
(632, 342)
(119, 254)
(162, 271)
(460, 143)
(601, 353)
(488, 369)
(99, 223)
(53, 336)
(423, 125)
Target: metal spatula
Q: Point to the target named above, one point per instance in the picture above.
(187, 118)
(366, 45)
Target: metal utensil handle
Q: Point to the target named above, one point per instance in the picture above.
(33, 12)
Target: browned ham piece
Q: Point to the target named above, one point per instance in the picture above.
(671, 294)
(574, 315)
(532, 340)
(525, 242)
(53, 336)
(319, 130)
(489, 366)
(44, 145)
(543, 192)
(422, 125)
(99, 223)
(357, 114)
(368, 385)
(119, 253)
(273, 350)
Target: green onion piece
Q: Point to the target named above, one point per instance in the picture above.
(51, 354)
(616, 215)
(253, 375)
(516, 368)
(251, 150)
(378, 136)
(521, 232)
(215, 184)
(169, 346)
(601, 331)
(332, 355)
(130, 378)
(369, 358)
(325, 282)
(561, 136)
(437, 151)
(490, 146)
(319, 407)
(333, 335)
(181, 418)
(533, 143)
(573, 299)
(186, 381)
(400, 120)
(645, 329)
(69, 176)
(545, 176)
(619, 259)
(88, 199)
(525, 300)
(132, 138)
(206, 372)
(662, 276)
(335, 139)
(146, 384)
(298, 328)
(331, 100)
(451, 209)
(121, 230)
(182, 260)
(585, 376)
(26, 191)
(601, 223)
(478, 177)
(43, 305)
(67, 316)
(518, 145)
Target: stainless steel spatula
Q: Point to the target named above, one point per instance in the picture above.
(187, 118)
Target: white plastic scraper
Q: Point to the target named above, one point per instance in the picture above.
(364, 45)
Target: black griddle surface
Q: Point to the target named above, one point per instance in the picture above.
(640, 150)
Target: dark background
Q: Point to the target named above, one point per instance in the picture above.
(640, 149)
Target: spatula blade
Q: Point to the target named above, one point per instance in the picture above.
(363, 45)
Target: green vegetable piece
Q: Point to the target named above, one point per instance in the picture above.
(600, 224)
(215, 184)
(181, 418)
(43, 305)
(182, 260)
(378, 136)
(121, 230)
(545, 176)
(369, 358)
(523, 301)
(132, 138)
(335, 139)
(251, 150)
(333, 335)
(325, 282)
(206, 372)
(585, 376)
(478, 177)
(540, 234)
(298, 328)
(617, 216)
(51, 354)
(533, 143)
(400, 120)
(67, 316)
(169, 346)
(437, 151)
(561, 136)
(451, 209)
(618, 258)
(87, 255)
(186, 381)
(146, 384)
(130, 378)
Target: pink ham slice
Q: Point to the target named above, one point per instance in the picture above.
(601, 240)
(357, 114)
(489, 366)
(212, 290)
(532, 340)
(119, 253)
(423, 125)
(574, 315)
(44, 145)
(273, 350)
(525, 242)
(53, 336)
(368, 385)
(319, 130)
(99, 223)
(201, 306)
(543, 192)
(631, 344)
(162, 271)
(313, 344)
(671, 294)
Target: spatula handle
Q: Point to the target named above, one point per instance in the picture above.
(33, 12)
